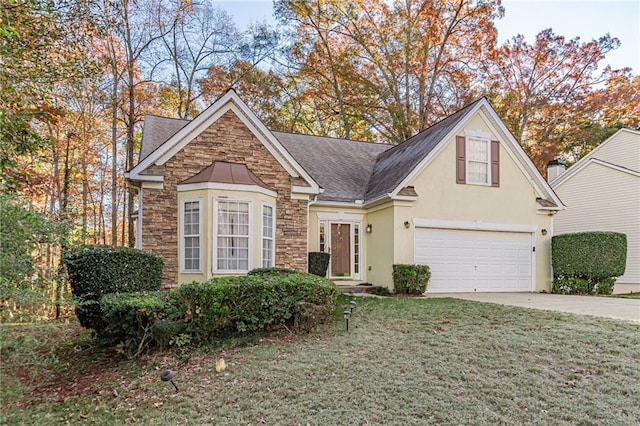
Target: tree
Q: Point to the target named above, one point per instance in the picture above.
(540, 89)
(41, 45)
(387, 69)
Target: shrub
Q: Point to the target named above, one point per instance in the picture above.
(319, 263)
(411, 279)
(134, 320)
(98, 270)
(587, 262)
(379, 291)
(227, 306)
(280, 272)
(221, 307)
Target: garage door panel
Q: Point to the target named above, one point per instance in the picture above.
(467, 261)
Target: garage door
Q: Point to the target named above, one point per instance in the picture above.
(470, 260)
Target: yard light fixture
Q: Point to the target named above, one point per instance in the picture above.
(369, 228)
(347, 314)
(167, 376)
(407, 224)
(353, 305)
(544, 232)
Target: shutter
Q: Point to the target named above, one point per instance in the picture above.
(495, 163)
(461, 172)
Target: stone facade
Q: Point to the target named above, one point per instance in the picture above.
(228, 139)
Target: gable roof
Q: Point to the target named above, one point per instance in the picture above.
(346, 170)
(159, 152)
(156, 131)
(342, 167)
(393, 166)
(592, 158)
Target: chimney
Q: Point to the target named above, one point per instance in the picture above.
(554, 169)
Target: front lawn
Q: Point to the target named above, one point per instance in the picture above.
(404, 361)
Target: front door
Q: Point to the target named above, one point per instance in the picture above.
(340, 250)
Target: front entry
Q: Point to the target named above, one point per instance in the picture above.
(340, 250)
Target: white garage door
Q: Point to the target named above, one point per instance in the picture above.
(470, 260)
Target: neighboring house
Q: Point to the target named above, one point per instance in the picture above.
(221, 194)
(602, 193)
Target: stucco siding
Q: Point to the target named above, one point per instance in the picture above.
(599, 198)
(379, 266)
(512, 203)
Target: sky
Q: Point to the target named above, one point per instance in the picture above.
(587, 19)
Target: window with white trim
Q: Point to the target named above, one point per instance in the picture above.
(232, 236)
(478, 160)
(322, 237)
(267, 236)
(356, 249)
(191, 236)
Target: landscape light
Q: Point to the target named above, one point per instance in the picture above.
(347, 314)
(167, 376)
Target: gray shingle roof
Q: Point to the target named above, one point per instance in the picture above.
(347, 170)
(395, 164)
(156, 131)
(341, 167)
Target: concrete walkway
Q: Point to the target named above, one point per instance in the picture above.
(609, 307)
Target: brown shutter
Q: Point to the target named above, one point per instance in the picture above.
(495, 163)
(461, 172)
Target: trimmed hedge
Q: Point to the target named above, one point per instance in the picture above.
(411, 279)
(319, 263)
(98, 270)
(130, 319)
(280, 272)
(587, 262)
(219, 308)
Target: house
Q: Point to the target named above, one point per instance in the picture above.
(602, 193)
(222, 194)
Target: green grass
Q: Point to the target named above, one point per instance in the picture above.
(404, 361)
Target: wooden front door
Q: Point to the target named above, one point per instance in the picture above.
(340, 250)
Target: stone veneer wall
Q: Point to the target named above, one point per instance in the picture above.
(226, 140)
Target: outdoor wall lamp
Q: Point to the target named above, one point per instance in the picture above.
(544, 232)
(369, 228)
(407, 224)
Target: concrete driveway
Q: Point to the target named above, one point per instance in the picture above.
(609, 307)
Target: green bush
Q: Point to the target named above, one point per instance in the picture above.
(227, 306)
(130, 319)
(319, 263)
(221, 307)
(272, 271)
(411, 279)
(98, 270)
(588, 262)
(379, 291)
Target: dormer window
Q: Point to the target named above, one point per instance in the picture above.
(477, 160)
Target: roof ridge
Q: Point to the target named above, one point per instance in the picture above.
(329, 137)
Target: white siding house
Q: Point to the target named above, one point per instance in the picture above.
(602, 193)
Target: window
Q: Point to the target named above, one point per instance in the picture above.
(232, 236)
(322, 237)
(478, 160)
(267, 236)
(191, 236)
(356, 249)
